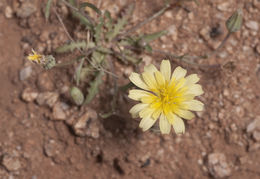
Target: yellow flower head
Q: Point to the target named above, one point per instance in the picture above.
(167, 96)
(35, 57)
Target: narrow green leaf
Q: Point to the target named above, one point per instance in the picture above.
(106, 115)
(84, 72)
(145, 39)
(93, 89)
(98, 30)
(126, 58)
(148, 48)
(120, 23)
(70, 47)
(82, 19)
(47, 9)
(109, 21)
(92, 6)
(97, 57)
(78, 71)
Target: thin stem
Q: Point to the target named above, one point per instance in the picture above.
(154, 16)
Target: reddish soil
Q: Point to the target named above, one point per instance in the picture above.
(223, 141)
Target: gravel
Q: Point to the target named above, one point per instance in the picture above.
(217, 165)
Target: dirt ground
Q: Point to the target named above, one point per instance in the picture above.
(39, 138)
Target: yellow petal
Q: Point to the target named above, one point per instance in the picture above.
(195, 90)
(138, 94)
(194, 105)
(148, 99)
(178, 125)
(192, 79)
(165, 69)
(149, 80)
(178, 73)
(146, 112)
(156, 113)
(150, 68)
(165, 126)
(146, 123)
(136, 109)
(185, 114)
(159, 78)
(138, 81)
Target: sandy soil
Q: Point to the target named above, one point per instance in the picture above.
(38, 137)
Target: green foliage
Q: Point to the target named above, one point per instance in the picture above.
(108, 38)
(92, 6)
(47, 9)
(77, 95)
(71, 46)
(94, 87)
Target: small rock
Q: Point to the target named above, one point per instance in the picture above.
(253, 25)
(87, 124)
(44, 82)
(223, 6)
(44, 36)
(11, 163)
(29, 95)
(25, 73)
(173, 32)
(218, 166)
(58, 111)
(205, 34)
(52, 148)
(253, 125)
(258, 48)
(254, 147)
(256, 135)
(8, 12)
(147, 60)
(47, 98)
(26, 10)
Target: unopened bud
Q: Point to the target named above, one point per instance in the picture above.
(49, 62)
(234, 22)
(77, 95)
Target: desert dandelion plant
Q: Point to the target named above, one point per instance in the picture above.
(165, 96)
(47, 62)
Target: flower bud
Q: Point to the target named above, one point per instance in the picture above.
(77, 95)
(49, 62)
(234, 22)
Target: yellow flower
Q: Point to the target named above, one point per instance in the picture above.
(167, 96)
(35, 57)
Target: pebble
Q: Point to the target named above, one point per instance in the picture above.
(217, 165)
(58, 111)
(256, 135)
(254, 147)
(87, 124)
(25, 73)
(258, 48)
(253, 25)
(47, 98)
(26, 10)
(223, 6)
(205, 34)
(52, 148)
(11, 163)
(44, 82)
(253, 125)
(29, 95)
(173, 32)
(8, 12)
